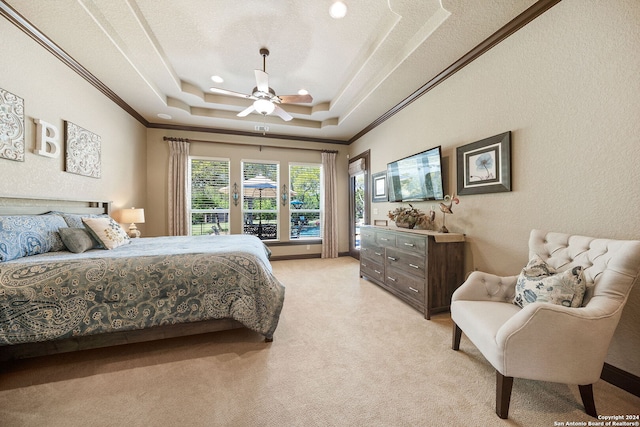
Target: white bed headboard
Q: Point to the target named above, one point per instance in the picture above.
(19, 205)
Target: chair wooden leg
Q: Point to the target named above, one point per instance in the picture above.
(503, 395)
(586, 392)
(457, 334)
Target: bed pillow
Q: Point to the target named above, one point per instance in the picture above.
(25, 235)
(78, 240)
(75, 220)
(107, 231)
(539, 282)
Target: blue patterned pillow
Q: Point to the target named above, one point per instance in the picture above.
(539, 282)
(25, 235)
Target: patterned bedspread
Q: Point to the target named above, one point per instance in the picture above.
(150, 282)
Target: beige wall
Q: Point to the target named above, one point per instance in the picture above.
(54, 93)
(158, 155)
(567, 87)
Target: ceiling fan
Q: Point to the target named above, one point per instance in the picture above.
(265, 99)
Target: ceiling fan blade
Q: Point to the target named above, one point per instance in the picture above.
(262, 81)
(295, 99)
(230, 93)
(282, 114)
(246, 111)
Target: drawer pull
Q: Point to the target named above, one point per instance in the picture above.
(391, 278)
(364, 264)
(392, 258)
(409, 244)
(413, 266)
(386, 240)
(378, 272)
(413, 289)
(378, 253)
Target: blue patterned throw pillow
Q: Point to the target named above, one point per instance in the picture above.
(539, 282)
(25, 235)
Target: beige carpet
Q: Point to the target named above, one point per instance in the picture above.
(346, 353)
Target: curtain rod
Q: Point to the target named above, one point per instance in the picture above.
(260, 146)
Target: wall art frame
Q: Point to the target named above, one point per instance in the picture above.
(83, 151)
(11, 126)
(379, 187)
(485, 166)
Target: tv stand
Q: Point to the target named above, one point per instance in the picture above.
(420, 267)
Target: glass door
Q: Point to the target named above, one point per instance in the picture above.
(359, 200)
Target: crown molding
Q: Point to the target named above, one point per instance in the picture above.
(514, 25)
(32, 31)
(511, 27)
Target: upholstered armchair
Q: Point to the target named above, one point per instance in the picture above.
(563, 339)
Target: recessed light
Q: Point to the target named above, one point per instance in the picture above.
(338, 10)
(164, 116)
(303, 92)
(217, 79)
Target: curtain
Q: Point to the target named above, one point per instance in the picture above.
(330, 218)
(177, 198)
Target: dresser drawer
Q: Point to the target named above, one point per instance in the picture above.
(385, 239)
(367, 235)
(412, 264)
(371, 269)
(374, 253)
(407, 242)
(409, 286)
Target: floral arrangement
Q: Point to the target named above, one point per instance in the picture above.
(410, 217)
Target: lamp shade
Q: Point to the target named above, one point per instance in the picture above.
(264, 106)
(132, 215)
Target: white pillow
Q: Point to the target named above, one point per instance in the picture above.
(107, 231)
(539, 282)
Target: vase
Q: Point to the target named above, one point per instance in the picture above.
(404, 224)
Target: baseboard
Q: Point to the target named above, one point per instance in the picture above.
(289, 257)
(302, 256)
(623, 379)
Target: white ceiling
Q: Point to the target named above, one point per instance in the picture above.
(158, 56)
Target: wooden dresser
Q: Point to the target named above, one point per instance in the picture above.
(421, 267)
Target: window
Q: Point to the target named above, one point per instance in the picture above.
(305, 200)
(260, 197)
(209, 186)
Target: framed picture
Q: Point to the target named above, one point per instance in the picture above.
(379, 184)
(83, 151)
(11, 126)
(485, 166)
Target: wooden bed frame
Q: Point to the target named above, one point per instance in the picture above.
(16, 205)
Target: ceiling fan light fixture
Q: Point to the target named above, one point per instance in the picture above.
(264, 106)
(338, 10)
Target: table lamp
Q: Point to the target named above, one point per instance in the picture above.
(133, 216)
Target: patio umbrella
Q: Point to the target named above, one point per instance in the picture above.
(257, 187)
(260, 186)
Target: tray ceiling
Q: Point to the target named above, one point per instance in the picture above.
(158, 56)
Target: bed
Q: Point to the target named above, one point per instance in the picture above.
(53, 300)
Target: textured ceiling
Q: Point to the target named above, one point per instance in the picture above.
(158, 56)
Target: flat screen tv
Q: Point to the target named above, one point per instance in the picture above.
(417, 177)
